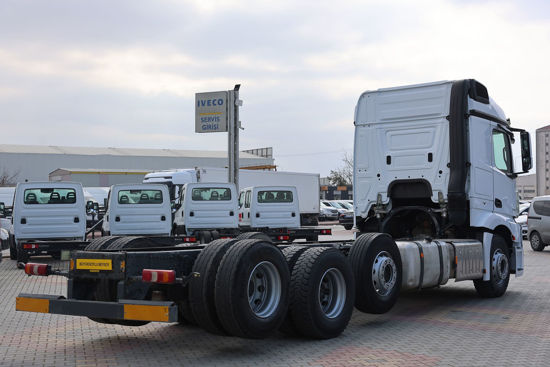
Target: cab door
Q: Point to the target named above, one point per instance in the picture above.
(505, 197)
(244, 210)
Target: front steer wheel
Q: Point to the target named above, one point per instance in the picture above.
(376, 264)
(500, 270)
(251, 291)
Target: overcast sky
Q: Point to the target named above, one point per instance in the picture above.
(124, 73)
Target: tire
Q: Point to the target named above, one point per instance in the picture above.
(13, 249)
(205, 237)
(260, 267)
(100, 243)
(202, 289)
(254, 235)
(129, 242)
(500, 270)
(347, 227)
(371, 254)
(536, 242)
(322, 290)
(291, 254)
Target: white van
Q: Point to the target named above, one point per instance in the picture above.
(47, 211)
(206, 206)
(138, 209)
(269, 207)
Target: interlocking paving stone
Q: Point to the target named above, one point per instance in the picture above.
(447, 326)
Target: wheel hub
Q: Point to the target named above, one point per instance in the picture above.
(264, 289)
(500, 266)
(384, 273)
(332, 293)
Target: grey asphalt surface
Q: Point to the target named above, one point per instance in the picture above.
(447, 326)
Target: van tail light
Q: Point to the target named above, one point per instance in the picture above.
(283, 238)
(327, 231)
(158, 276)
(29, 246)
(240, 217)
(190, 239)
(38, 269)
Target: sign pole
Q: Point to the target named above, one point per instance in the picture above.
(234, 131)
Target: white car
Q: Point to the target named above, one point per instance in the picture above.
(522, 218)
(327, 212)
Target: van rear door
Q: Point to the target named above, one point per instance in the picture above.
(140, 209)
(49, 211)
(210, 206)
(275, 207)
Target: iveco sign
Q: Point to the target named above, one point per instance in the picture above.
(211, 112)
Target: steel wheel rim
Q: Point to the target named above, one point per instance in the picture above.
(332, 293)
(500, 266)
(384, 273)
(264, 289)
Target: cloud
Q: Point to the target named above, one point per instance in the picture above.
(124, 73)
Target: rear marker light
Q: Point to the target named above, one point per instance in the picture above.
(37, 269)
(189, 239)
(28, 246)
(283, 238)
(326, 231)
(158, 276)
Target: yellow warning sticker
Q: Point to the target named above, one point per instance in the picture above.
(94, 264)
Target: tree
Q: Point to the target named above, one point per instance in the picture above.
(8, 178)
(343, 175)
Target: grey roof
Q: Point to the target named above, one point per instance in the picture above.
(56, 149)
(544, 128)
(65, 171)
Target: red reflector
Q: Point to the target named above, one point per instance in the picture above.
(326, 231)
(225, 238)
(189, 239)
(27, 246)
(158, 276)
(513, 238)
(37, 269)
(283, 238)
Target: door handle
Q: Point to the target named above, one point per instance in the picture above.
(163, 218)
(498, 203)
(231, 213)
(117, 219)
(257, 215)
(191, 214)
(23, 220)
(293, 214)
(76, 219)
(248, 214)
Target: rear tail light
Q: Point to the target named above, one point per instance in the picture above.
(37, 269)
(189, 239)
(326, 231)
(283, 238)
(158, 276)
(28, 246)
(225, 238)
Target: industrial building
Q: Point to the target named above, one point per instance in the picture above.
(36, 162)
(543, 160)
(526, 186)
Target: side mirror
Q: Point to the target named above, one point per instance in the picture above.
(526, 159)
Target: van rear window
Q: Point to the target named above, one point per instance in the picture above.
(49, 196)
(140, 197)
(275, 196)
(210, 194)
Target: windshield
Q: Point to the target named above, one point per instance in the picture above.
(49, 196)
(345, 205)
(140, 197)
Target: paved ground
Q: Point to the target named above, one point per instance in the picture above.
(449, 326)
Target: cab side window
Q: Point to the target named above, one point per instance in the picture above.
(502, 151)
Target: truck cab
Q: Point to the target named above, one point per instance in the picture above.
(142, 209)
(208, 206)
(437, 161)
(269, 207)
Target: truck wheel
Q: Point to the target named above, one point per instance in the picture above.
(100, 243)
(536, 242)
(205, 237)
(255, 236)
(201, 289)
(321, 293)
(376, 264)
(251, 289)
(13, 249)
(500, 270)
(347, 227)
(291, 254)
(130, 242)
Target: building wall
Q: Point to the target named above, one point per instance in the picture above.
(526, 186)
(542, 161)
(36, 167)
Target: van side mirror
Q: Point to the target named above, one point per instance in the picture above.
(526, 159)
